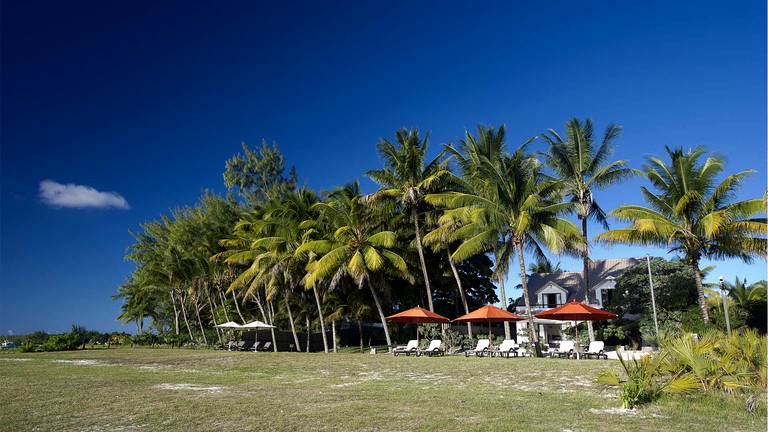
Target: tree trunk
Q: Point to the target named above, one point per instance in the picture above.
(322, 320)
(309, 330)
(196, 299)
(213, 316)
(461, 289)
(271, 320)
(507, 332)
(333, 328)
(224, 305)
(186, 319)
(263, 316)
(360, 329)
(420, 248)
(381, 313)
(700, 289)
(290, 318)
(175, 313)
(585, 272)
(532, 329)
(237, 306)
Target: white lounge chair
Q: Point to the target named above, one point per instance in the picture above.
(411, 348)
(565, 349)
(434, 348)
(596, 349)
(507, 348)
(482, 348)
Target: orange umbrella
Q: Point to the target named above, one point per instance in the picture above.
(576, 311)
(417, 315)
(489, 314)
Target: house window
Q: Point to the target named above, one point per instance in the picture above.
(607, 295)
(551, 300)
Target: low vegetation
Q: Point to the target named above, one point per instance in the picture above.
(182, 390)
(709, 365)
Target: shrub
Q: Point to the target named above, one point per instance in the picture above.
(63, 342)
(733, 365)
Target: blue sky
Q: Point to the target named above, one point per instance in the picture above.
(147, 100)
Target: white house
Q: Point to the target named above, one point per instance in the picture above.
(550, 290)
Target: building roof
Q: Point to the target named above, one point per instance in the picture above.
(599, 271)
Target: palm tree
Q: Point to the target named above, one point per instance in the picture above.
(478, 158)
(440, 239)
(692, 214)
(742, 294)
(407, 178)
(356, 246)
(583, 167)
(544, 266)
(521, 213)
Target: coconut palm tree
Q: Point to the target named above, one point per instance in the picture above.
(478, 159)
(407, 178)
(357, 245)
(582, 167)
(520, 214)
(692, 214)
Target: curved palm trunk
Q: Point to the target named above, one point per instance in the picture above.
(532, 329)
(322, 320)
(224, 305)
(186, 319)
(175, 313)
(585, 273)
(264, 317)
(213, 316)
(420, 248)
(700, 289)
(290, 319)
(502, 293)
(237, 306)
(381, 313)
(461, 289)
(196, 299)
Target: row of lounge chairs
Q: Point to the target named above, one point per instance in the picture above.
(508, 348)
(567, 350)
(434, 348)
(248, 345)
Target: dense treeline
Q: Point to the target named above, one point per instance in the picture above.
(442, 233)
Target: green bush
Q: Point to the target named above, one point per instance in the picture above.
(711, 363)
(64, 342)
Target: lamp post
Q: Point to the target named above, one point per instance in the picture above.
(725, 306)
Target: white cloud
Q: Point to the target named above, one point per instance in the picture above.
(78, 196)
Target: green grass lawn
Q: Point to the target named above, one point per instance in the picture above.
(184, 390)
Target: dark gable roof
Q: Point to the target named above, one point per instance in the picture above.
(599, 270)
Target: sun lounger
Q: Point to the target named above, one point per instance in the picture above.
(411, 348)
(482, 348)
(565, 350)
(246, 345)
(507, 348)
(434, 348)
(267, 346)
(596, 349)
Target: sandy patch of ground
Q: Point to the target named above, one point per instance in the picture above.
(193, 387)
(84, 362)
(15, 359)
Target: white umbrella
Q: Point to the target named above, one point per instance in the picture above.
(232, 326)
(256, 325)
(229, 325)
